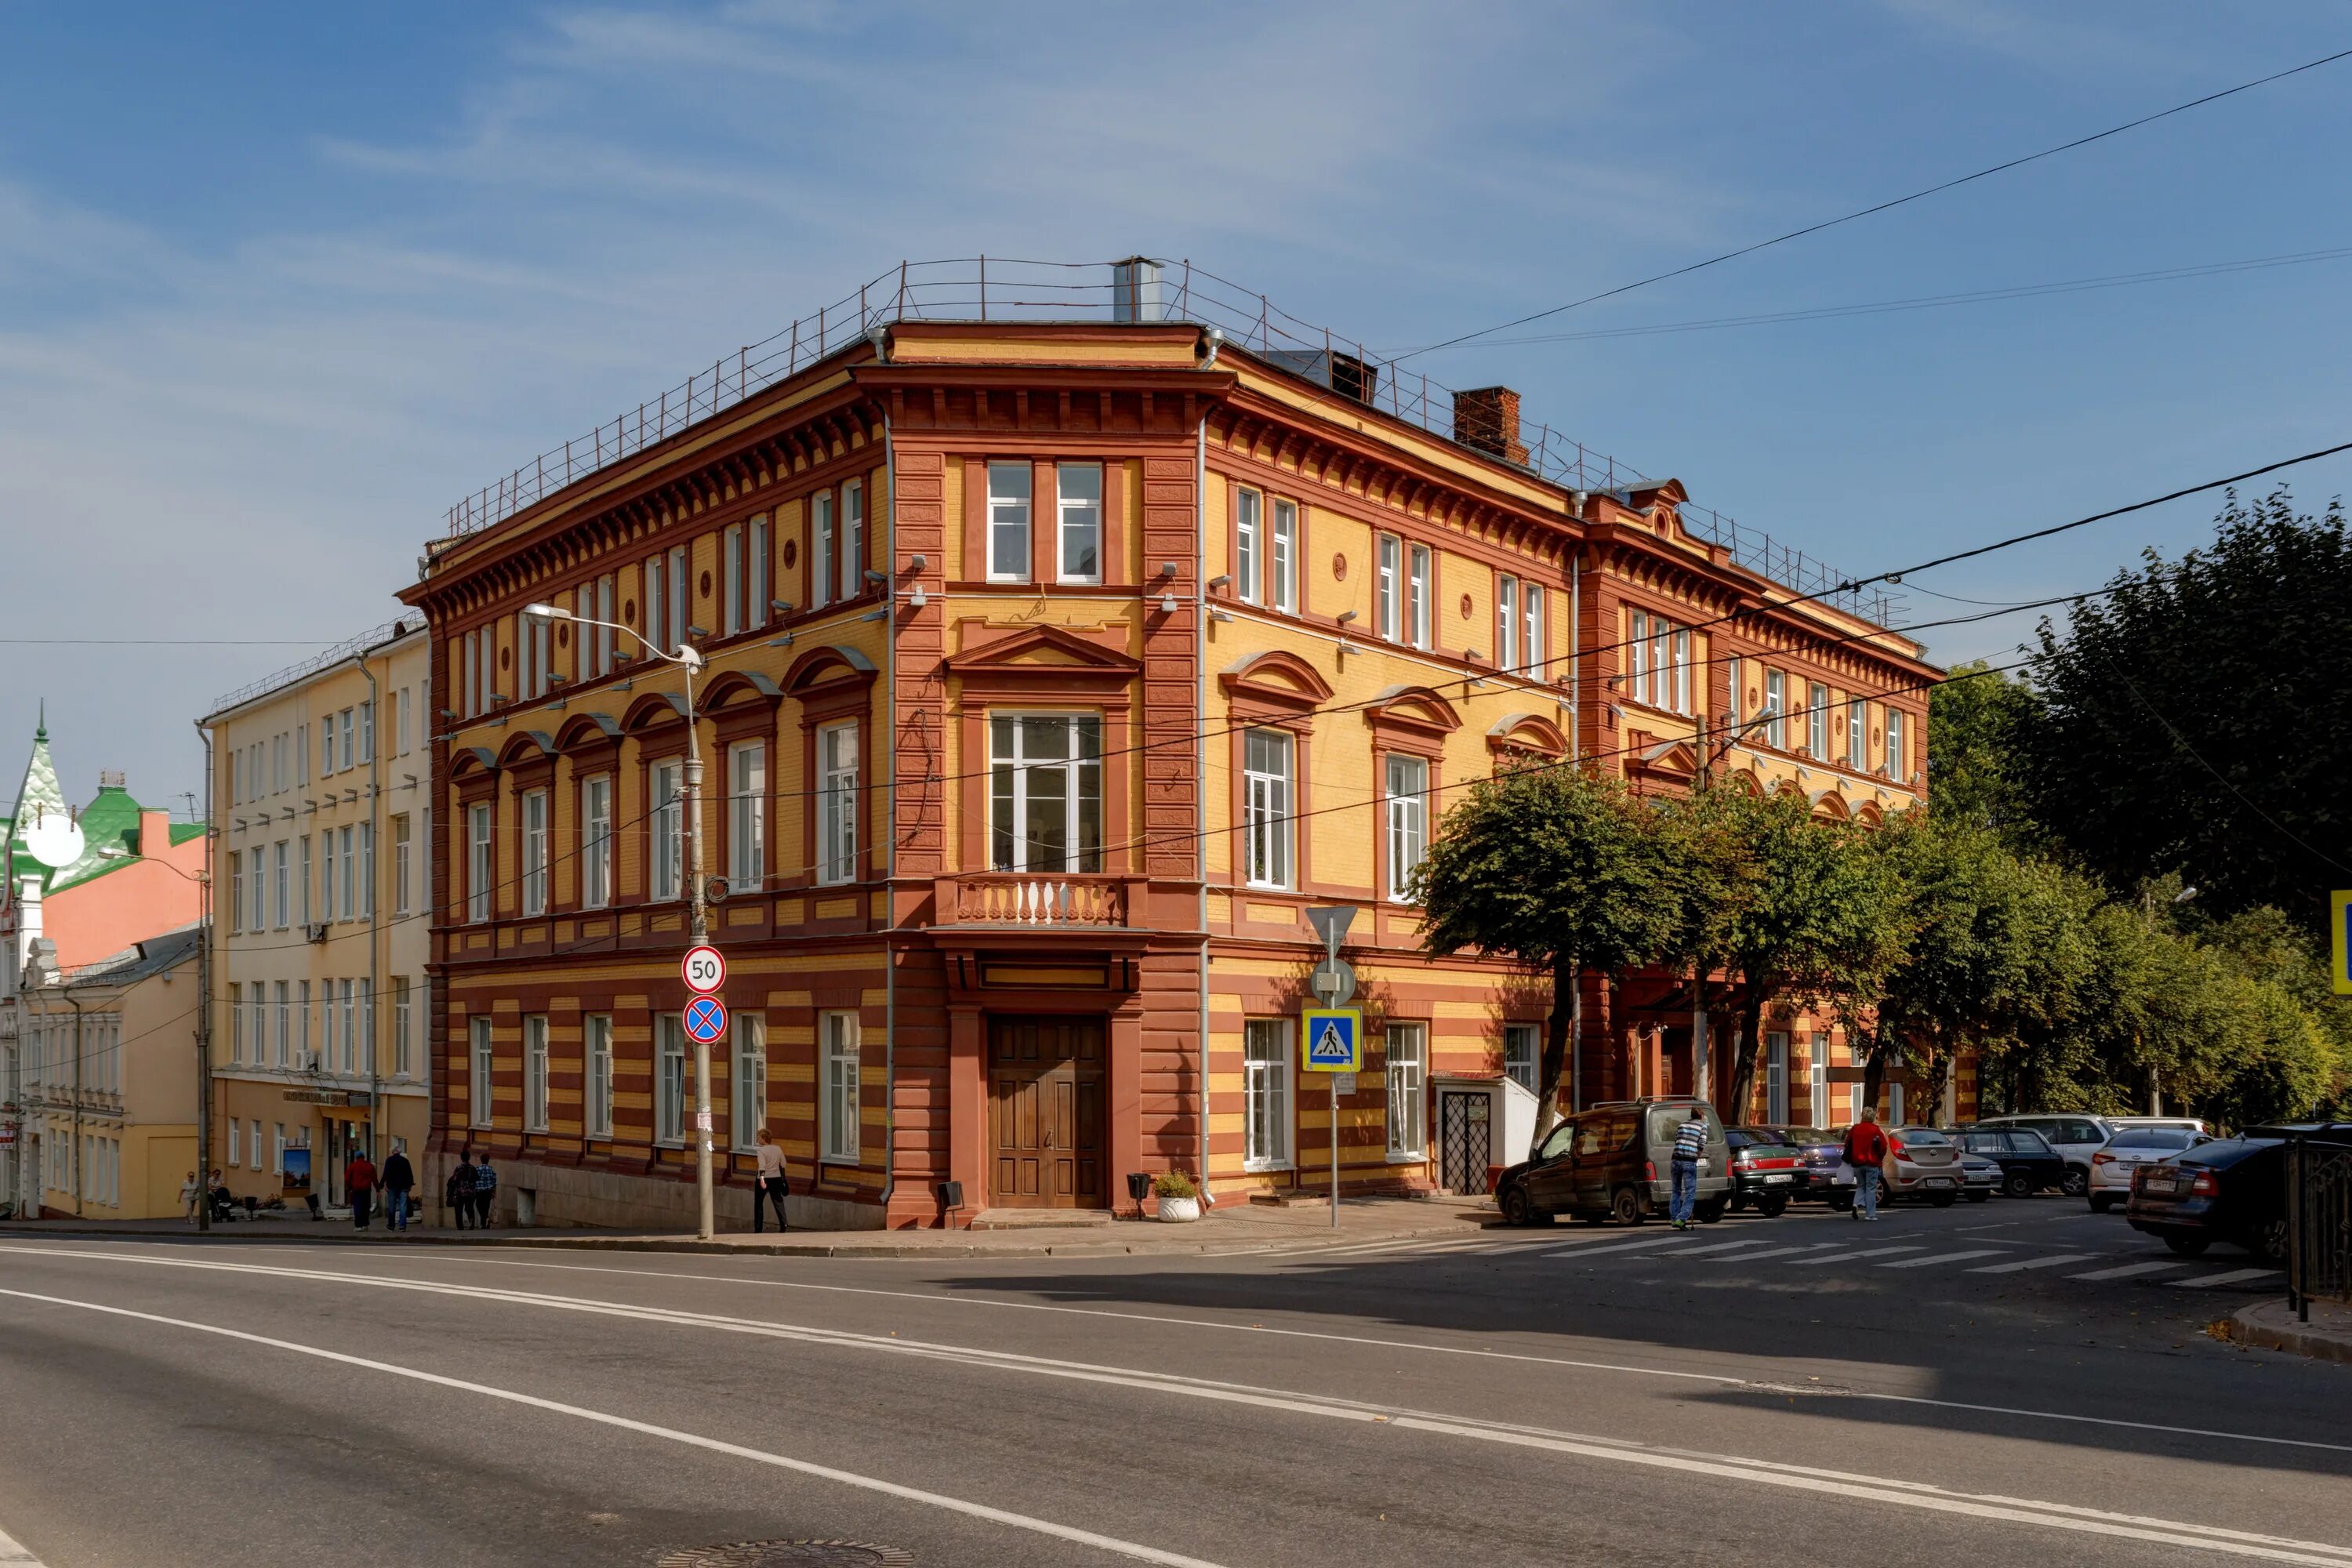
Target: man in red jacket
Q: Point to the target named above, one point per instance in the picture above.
(1866, 1147)
(359, 1177)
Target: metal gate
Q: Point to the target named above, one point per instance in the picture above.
(2319, 1220)
(1465, 1139)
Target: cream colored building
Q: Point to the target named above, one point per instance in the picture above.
(321, 890)
(110, 1078)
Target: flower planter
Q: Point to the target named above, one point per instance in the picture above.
(1177, 1211)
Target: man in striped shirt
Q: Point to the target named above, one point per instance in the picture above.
(1690, 1148)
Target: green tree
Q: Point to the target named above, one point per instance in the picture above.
(1558, 870)
(2196, 717)
(1976, 723)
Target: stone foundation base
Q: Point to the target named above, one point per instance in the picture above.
(567, 1197)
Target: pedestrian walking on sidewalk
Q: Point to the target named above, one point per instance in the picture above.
(1866, 1147)
(359, 1176)
(459, 1194)
(1690, 1153)
(772, 1184)
(192, 1195)
(399, 1180)
(486, 1192)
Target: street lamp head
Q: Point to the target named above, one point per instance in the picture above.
(548, 612)
(2183, 896)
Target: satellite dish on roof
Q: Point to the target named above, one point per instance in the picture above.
(53, 839)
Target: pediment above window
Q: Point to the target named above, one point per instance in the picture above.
(1526, 734)
(1411, 716)
(1277, 682)
(1041, 653)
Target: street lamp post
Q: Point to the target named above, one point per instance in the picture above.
(697, 918)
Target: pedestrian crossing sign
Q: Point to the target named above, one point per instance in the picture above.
(2339, 940)
(1332, 1039)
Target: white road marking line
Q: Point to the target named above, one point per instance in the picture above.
(2021, 1265)
(1720, 1247)
(1601, 1248)
(482, 1258)
(2128, 1269)
(1865, 1252)
(1942, 1257)
(1778, 1252)
(15, 1555)
(2233, 1277)
(1916, 1495)
(824, 1472)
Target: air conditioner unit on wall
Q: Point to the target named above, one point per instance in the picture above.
(316, 930)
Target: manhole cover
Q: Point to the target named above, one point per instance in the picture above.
(789, 1555)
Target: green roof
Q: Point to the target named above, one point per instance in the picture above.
(109, 823)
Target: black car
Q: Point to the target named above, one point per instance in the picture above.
(1764, 1170)
(2028, 1163)
(1821, 1150)
(2230, 1190)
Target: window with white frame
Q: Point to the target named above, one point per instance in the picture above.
(1817, 720)
(281, 872)
(670, 1078)
(534, 852)
(302, 867)
(747, 816)
(838, 1109)
(1637, 654)
(731, 569)
(1776, 709)
(1682, 669)
(681, 597)
(236, 892)
(534, 1073)
(603, 635)
(235, 1144)
(1249, 544)
(1523, 1055)
(1282, 557)
(824, 549)
(1417, 591)
(348, 1029)
(1857, 736)
(1080, 487)
(404, 850)
(853, 539)
(478, 862)
(401, 716)
(469, 682)
(1408, 803)
(1507, 622)
(1009, 486)
(1045, 792)
(1266, 1052)
(485, 1062)
(235, 1024)
(367, 728)
(346, 872)
(283, 1032)
(1898, 749)
(597, 841)
(1408, 1070)
(747, 1090)
(302, 1025)
(257, 883)
(404, 1020)
(1388, 595)
(836, 784)
(1267, 795)
(1776, 1079)
(1662, 674)
(1535, 650)
(277, 1148)
(345, 756)
(656, 602)
(1817, 1088)
(667, 819)
(596, 1087)
(755, 569)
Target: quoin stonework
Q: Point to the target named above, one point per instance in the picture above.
(1061, 650)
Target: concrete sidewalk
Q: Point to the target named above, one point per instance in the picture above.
(2273, 1325)
(1231, 1228)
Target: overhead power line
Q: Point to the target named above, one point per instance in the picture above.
(1921, 195)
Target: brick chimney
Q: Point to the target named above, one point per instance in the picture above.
(1486, 419)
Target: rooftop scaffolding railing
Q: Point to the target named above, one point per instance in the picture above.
(1001, 288)
(375, 637)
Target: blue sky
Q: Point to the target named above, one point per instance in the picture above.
(277, 286)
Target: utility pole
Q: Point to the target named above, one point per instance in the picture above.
(204, 1006)
(698, 925)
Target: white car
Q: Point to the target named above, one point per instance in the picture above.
(2126, 1152)
(2075, 1134)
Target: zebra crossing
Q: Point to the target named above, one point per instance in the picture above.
(1961, 1255)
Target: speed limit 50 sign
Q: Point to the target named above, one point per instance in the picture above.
(704, 969)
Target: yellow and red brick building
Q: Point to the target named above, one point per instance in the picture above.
(1054, 666)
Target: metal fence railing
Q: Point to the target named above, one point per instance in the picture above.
(2319, 1219)
(374, 636)
(998, 289)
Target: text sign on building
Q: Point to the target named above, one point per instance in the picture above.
(1331, 1040)
(2339, 940)
(706, 1020)
(704, 969)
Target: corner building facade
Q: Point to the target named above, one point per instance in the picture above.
(1054, 669)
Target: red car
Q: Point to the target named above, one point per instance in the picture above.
(1765, 1171)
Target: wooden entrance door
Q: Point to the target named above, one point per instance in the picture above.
(1045, 1112)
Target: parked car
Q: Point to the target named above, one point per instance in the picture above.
(2028, 1164)
(1821, 1151)
(2075, 1135)
(1921, 1163)
(2229, 1189)
(1980, 1177)
(2192, 1124)
(1611, 1162)
(2126, 1152)
(1763, 1170)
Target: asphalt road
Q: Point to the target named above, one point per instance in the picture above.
(2011, 1383)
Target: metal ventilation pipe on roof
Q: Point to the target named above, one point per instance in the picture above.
(1136, 293)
